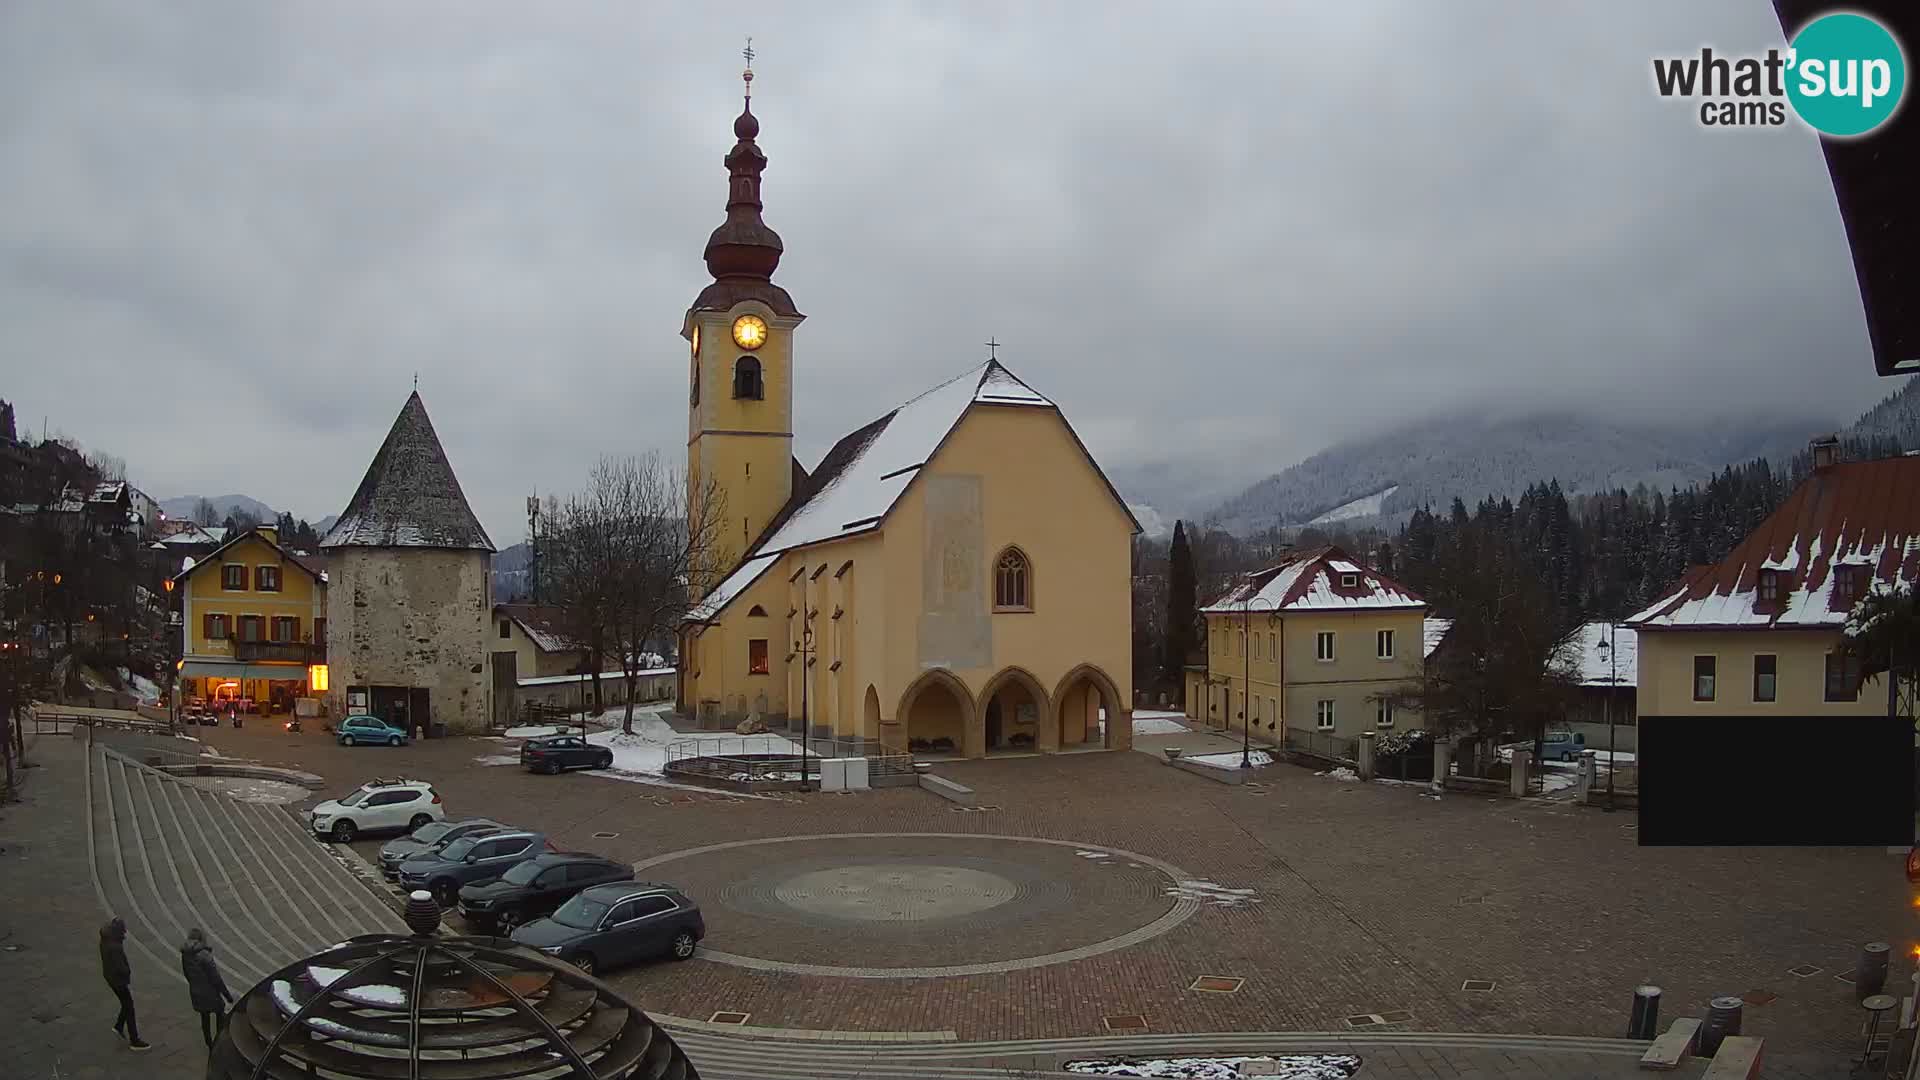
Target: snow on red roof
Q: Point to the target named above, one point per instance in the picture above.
(1311, 581)
(1857, 513)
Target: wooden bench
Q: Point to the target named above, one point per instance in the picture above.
(1668, 1050)
(1737, 1059)
(947, 789)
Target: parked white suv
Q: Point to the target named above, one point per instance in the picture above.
(377, 806)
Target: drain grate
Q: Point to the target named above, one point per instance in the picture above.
(605, 835)
(1759, 997)
(725, 1016)
(1125, 1022)
(1478, 985)
(1397, 1016)
(1805, 971)
(1473, 899)
(1844, 976)
(1218, 984)
(1362, 1020)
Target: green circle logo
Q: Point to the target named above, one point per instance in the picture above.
(1846, 74)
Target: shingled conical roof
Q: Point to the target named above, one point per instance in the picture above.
(409, 497)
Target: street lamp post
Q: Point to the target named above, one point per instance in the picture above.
(803, 649)
(1613, 689)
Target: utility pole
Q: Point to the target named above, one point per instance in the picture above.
(533, 542)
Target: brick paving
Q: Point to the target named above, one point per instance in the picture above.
(1372, 899)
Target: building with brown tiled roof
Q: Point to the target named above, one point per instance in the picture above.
(1757, 632)
(1308, 645)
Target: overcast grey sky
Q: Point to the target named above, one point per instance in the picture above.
(230, 233)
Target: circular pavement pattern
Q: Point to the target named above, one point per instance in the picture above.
(920, 905)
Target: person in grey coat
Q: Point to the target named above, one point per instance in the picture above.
(204, 985)
(119, 976)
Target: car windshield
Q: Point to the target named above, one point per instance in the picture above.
(522, 873)
(432, 832)
(459, 849)
(580, 913)
(353, 799)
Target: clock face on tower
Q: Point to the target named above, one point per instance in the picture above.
(749, 331)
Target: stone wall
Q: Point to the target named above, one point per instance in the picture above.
(413, 617)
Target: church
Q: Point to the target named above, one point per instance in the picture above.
(951, 578)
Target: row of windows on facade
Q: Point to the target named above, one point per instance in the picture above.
(1227, 643)
(1843, 678)
(1012, 591)
(233, 578)
(1323, 712)
(748, 384)
(280, 628)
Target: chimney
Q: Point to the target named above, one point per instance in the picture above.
(1826, 451)
(271, 532)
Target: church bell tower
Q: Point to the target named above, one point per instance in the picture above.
(739, 334)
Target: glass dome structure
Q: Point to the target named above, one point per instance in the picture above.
(387, 1007)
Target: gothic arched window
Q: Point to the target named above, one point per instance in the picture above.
(746, 379)
(1012, 581)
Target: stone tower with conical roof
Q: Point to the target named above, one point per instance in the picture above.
(409, 594)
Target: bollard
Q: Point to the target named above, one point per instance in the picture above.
(423, 914)
(1723, 1019)
(1870, 973)
(1644, 1023)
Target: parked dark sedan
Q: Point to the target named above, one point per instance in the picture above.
(536, 887)
(474, 859)
(608, 926)
(554, 753)
(429, 838)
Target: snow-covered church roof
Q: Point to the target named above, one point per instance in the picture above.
(409, 497)
(856, 485)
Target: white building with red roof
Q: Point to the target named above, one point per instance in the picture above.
(1757, 633)
(1310, 644)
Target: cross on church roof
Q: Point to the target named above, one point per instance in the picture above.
(748, 74)
(993, 349)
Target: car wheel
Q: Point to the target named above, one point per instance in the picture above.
(418, 820)
(506, 920)
(606, 762)
(553, 768)
(346, 740)
(583, 961)
(445, 893)
(683, 945)
(394, 741)
(344, 832)
(1568, 756)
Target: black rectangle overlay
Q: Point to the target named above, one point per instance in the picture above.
(1725, 781)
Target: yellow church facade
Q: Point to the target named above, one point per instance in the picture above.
(952, 578)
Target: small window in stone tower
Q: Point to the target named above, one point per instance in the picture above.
(1012, 582)
(746, 379)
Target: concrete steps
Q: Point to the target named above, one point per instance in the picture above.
(169, 856)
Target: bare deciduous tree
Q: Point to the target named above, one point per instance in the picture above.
(624, 553)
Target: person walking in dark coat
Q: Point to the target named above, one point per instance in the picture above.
(204, 984)
(119, 976)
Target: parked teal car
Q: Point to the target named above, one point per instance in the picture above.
(1562, 746)
(364, 730)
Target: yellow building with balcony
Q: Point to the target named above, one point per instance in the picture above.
(1306, 649)
(252, 622)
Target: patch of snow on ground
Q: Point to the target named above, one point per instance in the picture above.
(645, 751)
(498, 759)
(146, 689)
(1364, 506)
(1341, 773)
(1146, 723)
(1231, 759)
(1093, 854)
(1287, 1067)
(1208, 892)
(534, 731)
(251, 790)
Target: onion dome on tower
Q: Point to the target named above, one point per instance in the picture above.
(743, 252)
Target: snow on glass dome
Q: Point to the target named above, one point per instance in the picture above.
(384, 1006)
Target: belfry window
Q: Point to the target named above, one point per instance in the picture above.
(1012, 582)
(746, 379)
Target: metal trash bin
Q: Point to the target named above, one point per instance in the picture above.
(1723, 1019)
(1644, 1022)
(1870, 971)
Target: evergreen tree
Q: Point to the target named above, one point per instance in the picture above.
(7, 433)
(1182, 603)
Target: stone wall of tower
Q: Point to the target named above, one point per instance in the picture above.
(412, 617)
(744, 444)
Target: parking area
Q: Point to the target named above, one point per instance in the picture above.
(1303, 902)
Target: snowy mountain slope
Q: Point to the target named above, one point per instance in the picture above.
(1432, 462)
(182, 507)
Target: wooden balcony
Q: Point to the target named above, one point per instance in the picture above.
(285, 652)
